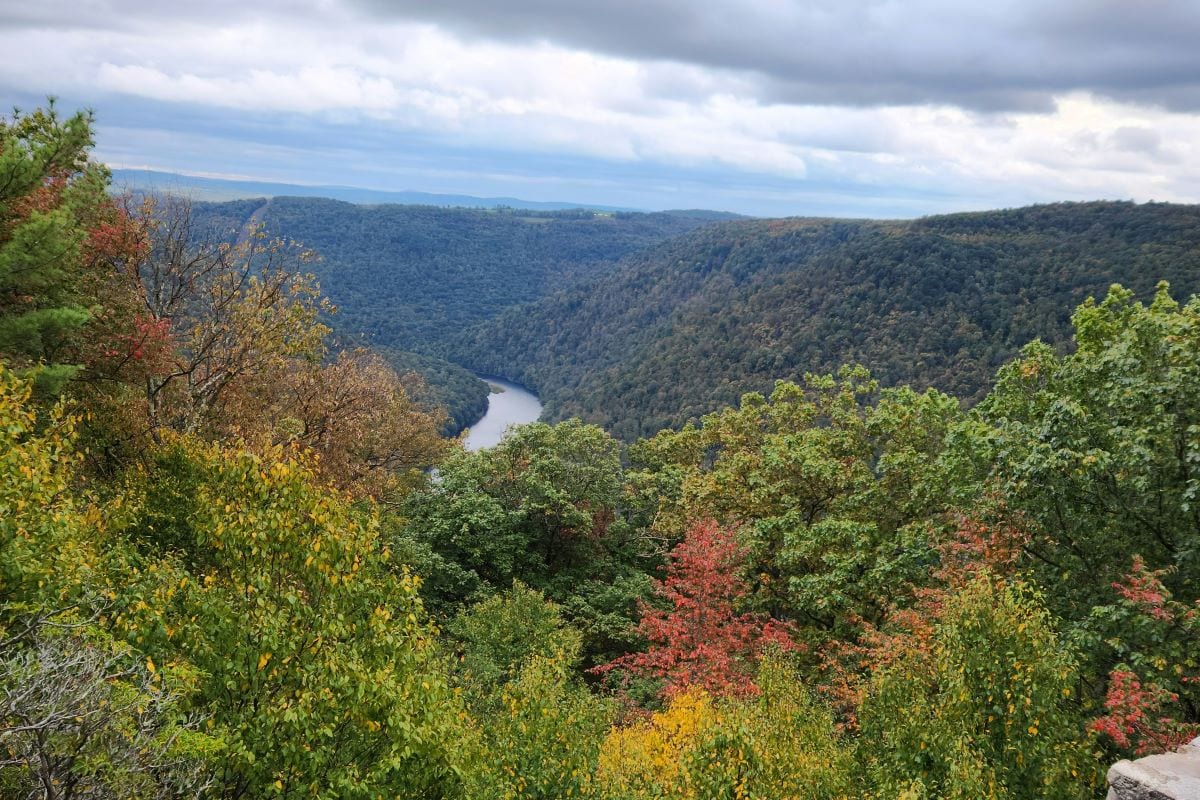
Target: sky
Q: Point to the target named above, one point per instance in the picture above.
(864, 108)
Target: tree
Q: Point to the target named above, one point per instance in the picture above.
(236, 307)
(1097, 456)
(50, 195)
(44, 541)
(539, 736)
(1153, 694)
(700, 639)
(1098, 449)
(542, 507)
(834, 485)
(225, 340)
(564, 485)
(647, 759)
(499, 635)
(779, 743)
(316, 659)
(79, 714)
(977, 698)
(355, 412)
(81, 719)
(303, 646)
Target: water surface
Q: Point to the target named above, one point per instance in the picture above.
(513, 405)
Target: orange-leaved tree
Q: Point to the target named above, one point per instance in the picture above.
(700, 638)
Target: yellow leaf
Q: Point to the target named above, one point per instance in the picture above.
(263, 659)
(150, 665)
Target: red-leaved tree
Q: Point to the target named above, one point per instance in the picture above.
(700, 639)
(1151, 698)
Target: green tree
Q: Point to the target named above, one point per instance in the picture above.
(1100, 449)
(80, 715)
(542, 507)
(316, 659)
(46, 552)
(540, 737)
(49, 196)
(499, 635)
(1096, 455)
(833, 484)
(977, 700)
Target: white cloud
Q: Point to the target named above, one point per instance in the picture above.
(308, 90)
(520, 97)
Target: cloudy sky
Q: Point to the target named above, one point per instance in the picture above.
(877, 108)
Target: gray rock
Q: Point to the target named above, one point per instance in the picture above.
(1169, 776)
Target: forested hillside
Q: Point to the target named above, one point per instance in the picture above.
(446, 385)
(408, 276)
(693, 323)
(404, 278)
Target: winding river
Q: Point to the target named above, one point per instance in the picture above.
(508, 404)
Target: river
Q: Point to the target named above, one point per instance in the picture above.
(512, 405)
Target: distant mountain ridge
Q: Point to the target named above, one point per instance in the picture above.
(224, 189)
(691, 324)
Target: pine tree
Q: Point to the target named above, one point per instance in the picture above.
(49, 193)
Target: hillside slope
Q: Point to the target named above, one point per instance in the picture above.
(693, 323)
(407, 276)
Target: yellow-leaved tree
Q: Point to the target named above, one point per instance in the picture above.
(780, 743)
(317, 662)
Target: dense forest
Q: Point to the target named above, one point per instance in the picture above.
(228, 571)
(405, 278)
(690, 325)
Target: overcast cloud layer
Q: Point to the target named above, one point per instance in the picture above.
(760, 106)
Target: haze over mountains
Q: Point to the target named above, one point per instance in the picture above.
(211, 189)
(220, 189)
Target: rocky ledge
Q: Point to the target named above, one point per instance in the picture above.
(1170, 776)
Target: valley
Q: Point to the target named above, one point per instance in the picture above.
(644, 322)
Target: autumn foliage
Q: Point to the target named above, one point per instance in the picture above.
(778, 743)
(700, 638)
(1148, 693)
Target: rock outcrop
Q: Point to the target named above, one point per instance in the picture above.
(1169, 776)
